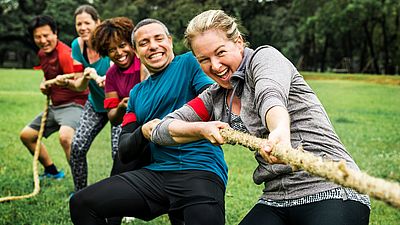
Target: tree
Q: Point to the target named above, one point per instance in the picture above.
(351, 35)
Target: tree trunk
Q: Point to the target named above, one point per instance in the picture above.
(385, 45)
(368, 35)
(324, 52)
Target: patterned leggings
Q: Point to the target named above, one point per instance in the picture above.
(90, 125)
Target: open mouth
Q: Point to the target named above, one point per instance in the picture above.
(223, 74)
(122, 59)
(85, 34)
(46, 47)
(156, 56)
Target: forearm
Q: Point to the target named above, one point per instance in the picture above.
(184, 132)
(116, 115)
(278, 123)
(80, 84)
(172, 132)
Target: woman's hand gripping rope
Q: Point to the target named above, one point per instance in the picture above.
(336, 172)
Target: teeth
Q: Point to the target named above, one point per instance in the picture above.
(122, 58)
(222, 73)
(155, 55)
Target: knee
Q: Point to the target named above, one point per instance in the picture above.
(77, 149)
(74, 202)
(76, 206)
(195, 214)
(27, 135)
(65, 140)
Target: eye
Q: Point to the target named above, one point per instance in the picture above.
(111, 50)
(221, 53)
(143, 43)
(203, 60)
(122, 45)
(159, 38)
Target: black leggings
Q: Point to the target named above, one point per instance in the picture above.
(117, 196)
(327, 212)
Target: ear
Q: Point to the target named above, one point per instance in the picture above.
(171, 41)
(135, 51)
(239, 40)
(240, 43)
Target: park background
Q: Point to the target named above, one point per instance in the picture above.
(349, 48)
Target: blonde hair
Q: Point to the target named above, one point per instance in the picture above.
(212, 19)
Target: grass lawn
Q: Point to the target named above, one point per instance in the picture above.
(366, 115)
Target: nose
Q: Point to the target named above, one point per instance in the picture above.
(215, 64)
(153, 45)
(119, 51)
(42, 40)
(82, 27)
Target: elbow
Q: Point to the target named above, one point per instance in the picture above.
(122, 156)
(123, 149)
(114, 122)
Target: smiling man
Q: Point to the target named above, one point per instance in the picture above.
(65, 110)
(187, 181)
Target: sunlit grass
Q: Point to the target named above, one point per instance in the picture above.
(365, 115)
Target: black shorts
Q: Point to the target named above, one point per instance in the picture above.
(166, 191)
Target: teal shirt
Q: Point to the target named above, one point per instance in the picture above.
(161, 94)
(96, 95)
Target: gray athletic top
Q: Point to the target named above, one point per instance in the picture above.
(264, 79)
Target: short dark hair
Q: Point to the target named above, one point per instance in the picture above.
(145, 22)
(40, 21)
(115, 29)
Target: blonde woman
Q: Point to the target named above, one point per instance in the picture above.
(260, 92)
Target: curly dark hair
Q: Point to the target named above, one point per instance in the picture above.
(112, 30)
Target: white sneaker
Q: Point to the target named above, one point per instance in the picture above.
(128, 219)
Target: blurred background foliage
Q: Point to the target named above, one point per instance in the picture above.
(344, 36)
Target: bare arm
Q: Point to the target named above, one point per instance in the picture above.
(115, 115)
(45, 89)
(184, 132)
(79, 83)
(278, 123)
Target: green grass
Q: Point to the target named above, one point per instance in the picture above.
(365, 115)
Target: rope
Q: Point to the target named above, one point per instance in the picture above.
(65, 76)
(35, 159)
(336, 172)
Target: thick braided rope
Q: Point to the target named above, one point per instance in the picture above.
(336, 172)
(35, 159)
(66, 76)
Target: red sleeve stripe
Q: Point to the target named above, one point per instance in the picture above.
(39, 67)
(110, 103)
(198, 106)
(78, 68)
(129, 118)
